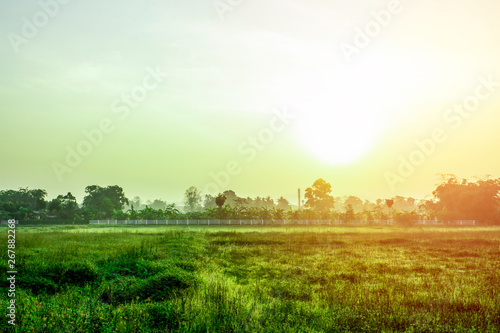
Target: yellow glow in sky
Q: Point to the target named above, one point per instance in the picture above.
(358, 114)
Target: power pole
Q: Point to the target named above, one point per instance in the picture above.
(299, 198)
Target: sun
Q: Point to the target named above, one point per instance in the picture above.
(341, 116)
(344, 110)
(340, 133)
(338, 139)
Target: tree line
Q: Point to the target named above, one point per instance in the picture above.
(453, 199)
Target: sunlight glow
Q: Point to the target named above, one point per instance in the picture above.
(346, 109)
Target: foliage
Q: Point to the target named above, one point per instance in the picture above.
(65, 207)
(405, 217)
(318, 196)
(101, 202)
(463, 199)
(220, 200)
(389, 202)
(22, 204)
(192, 199)
(349, 213)
(209, 202)
(454, 199)
(283, 204)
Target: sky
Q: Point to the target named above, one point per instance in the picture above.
(261, 97)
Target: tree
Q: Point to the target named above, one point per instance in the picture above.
(220, 200)
(349, 213)
(192, 199)
(101, 202)
(136, 203)
(463, 199)
(230, 197)
(355, 202)
(283, 204)
(318, 196)
(209, 202)
(405, 217)
(389, 203)
(65, 207)
(241, 202)
(157, 204)
(32, 203)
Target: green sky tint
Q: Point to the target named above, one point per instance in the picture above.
(209, 76)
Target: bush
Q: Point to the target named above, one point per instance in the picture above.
(50, 279)
(163, 316)
(156, 288)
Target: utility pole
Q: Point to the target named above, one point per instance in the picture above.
(299, 198)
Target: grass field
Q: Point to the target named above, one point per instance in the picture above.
(255, 279)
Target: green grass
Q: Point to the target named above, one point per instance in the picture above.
(255, 279)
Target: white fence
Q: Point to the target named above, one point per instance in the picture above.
(238, 222)
(454, 222)
(463, 222)
(277, 222)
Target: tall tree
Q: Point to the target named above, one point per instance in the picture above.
(268, 203)
(192, 199)
(457, 198)
(355, 202)
(209, 202)
(220, 200)
(389, 203)
(65, 207)
(157, 204)
(318, 196)
(136, 202)
(23, 203)
(349, 213)
(283, 204)
(230, 197)
(100, 202)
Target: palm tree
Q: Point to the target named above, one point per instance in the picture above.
(389, 203)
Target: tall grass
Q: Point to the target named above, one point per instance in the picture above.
(248, 279)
